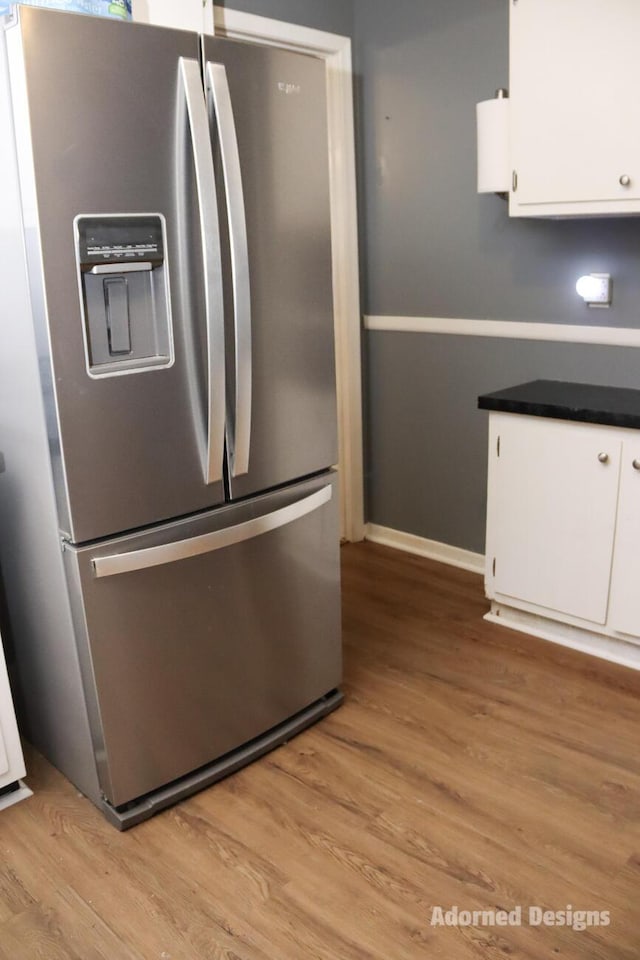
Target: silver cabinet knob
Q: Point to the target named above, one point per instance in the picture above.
(625, 180)
(636, 464)
(603, 457)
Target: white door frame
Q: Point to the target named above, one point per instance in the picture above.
(335, 50)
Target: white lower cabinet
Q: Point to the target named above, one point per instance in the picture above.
(11, 760)
(563, 527)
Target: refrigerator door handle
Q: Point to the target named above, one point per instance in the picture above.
(208, 542)
(222, 114)
(213, 452)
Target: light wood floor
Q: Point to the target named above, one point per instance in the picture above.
(469, 766)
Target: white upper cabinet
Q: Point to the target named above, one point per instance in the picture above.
(575, 110)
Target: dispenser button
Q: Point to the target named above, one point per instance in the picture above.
(116, 298)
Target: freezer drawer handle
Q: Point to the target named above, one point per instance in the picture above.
(218, 87)
(208, 542)
(212, 263)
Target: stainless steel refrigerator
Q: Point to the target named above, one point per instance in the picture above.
(168, 512)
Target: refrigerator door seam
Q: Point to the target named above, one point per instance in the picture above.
(221, 112)
(191, 83)
(206, 543)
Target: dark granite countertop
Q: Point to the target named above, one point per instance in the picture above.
(614, 406)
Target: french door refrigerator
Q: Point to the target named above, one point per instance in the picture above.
(167, 402)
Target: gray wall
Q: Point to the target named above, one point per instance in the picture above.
(335, 16)
(432, 247)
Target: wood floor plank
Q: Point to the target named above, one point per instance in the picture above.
(128, 886)
(469, 766)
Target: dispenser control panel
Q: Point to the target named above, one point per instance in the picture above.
(124, 284)
(117, 239)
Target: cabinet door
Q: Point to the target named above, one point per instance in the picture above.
(573, 72)
(552, 510)
(624, 608)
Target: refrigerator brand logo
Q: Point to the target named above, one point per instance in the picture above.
(288, 88)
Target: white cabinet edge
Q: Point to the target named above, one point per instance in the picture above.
(9, 732)
(22, 793)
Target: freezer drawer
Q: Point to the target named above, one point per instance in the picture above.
(200, 635)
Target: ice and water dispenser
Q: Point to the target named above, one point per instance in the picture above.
(125, 293)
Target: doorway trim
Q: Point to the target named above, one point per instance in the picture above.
(335, 50)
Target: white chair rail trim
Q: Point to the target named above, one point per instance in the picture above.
(508, 329)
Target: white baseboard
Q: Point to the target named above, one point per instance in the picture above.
(577, 638)
(8, 799)
(433, 549)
